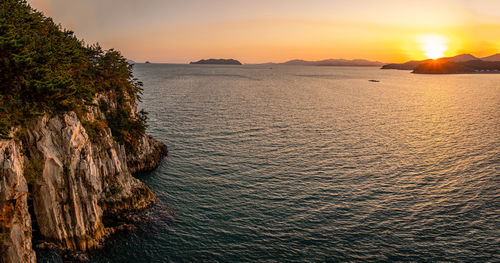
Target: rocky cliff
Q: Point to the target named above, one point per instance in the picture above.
(70, 138)
(15, 220)
(73, 180)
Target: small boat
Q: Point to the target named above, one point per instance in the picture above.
(373, 80)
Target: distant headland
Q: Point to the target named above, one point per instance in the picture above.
(217, 62)
(471, 66)
(464, 63)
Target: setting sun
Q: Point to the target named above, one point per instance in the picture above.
(321, 130)
(433, 46)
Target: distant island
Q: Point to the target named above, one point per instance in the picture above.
(217, 62)
(334, 62)
(412, 65)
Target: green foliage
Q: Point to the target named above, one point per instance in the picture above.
(4, 129)
(33, 168)
(94, 128)
(126, 129)
(91, 132)
(46, 69)
(3, 237)
(116, 190)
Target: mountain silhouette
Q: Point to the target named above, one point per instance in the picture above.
(495, 57)
(334, 62)
(411, 65)
(449, 67)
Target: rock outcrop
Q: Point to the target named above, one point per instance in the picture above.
(68, 129)
(148, 157)
(15, 220)
(75, 182)
(80, 180)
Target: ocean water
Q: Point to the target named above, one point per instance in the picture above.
(288, 163)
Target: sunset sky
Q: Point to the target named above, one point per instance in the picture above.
(179, 31)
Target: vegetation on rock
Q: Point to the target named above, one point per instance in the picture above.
(32, 169)
(45, 69)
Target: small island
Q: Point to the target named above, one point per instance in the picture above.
(217, 62)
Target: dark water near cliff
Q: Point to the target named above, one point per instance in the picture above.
(318, 164)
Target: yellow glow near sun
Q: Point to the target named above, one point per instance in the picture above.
(433, 46)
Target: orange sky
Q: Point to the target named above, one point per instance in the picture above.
(179, 31)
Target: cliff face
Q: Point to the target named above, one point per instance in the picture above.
(75, 181)
(15, 220)
(70, 135)
(79, 182)
(148, 157)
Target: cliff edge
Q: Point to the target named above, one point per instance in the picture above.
(72, 180)
(70, 138)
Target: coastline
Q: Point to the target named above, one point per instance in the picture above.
(68, 192)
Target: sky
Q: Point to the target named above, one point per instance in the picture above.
(259, 31)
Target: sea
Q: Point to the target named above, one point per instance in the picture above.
(274, 163)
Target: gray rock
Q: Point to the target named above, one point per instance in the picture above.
(15, 220)
(75, 183)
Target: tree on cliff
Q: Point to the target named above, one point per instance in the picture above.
(45, 69)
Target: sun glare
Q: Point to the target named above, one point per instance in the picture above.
(433, 46)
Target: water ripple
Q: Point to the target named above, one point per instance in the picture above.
(316, 164)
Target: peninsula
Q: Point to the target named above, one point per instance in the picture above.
(217, 62)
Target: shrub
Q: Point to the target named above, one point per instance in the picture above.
(33, 168)
(94, 128)
(115, 190)
(127, 129)
(3, 237)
